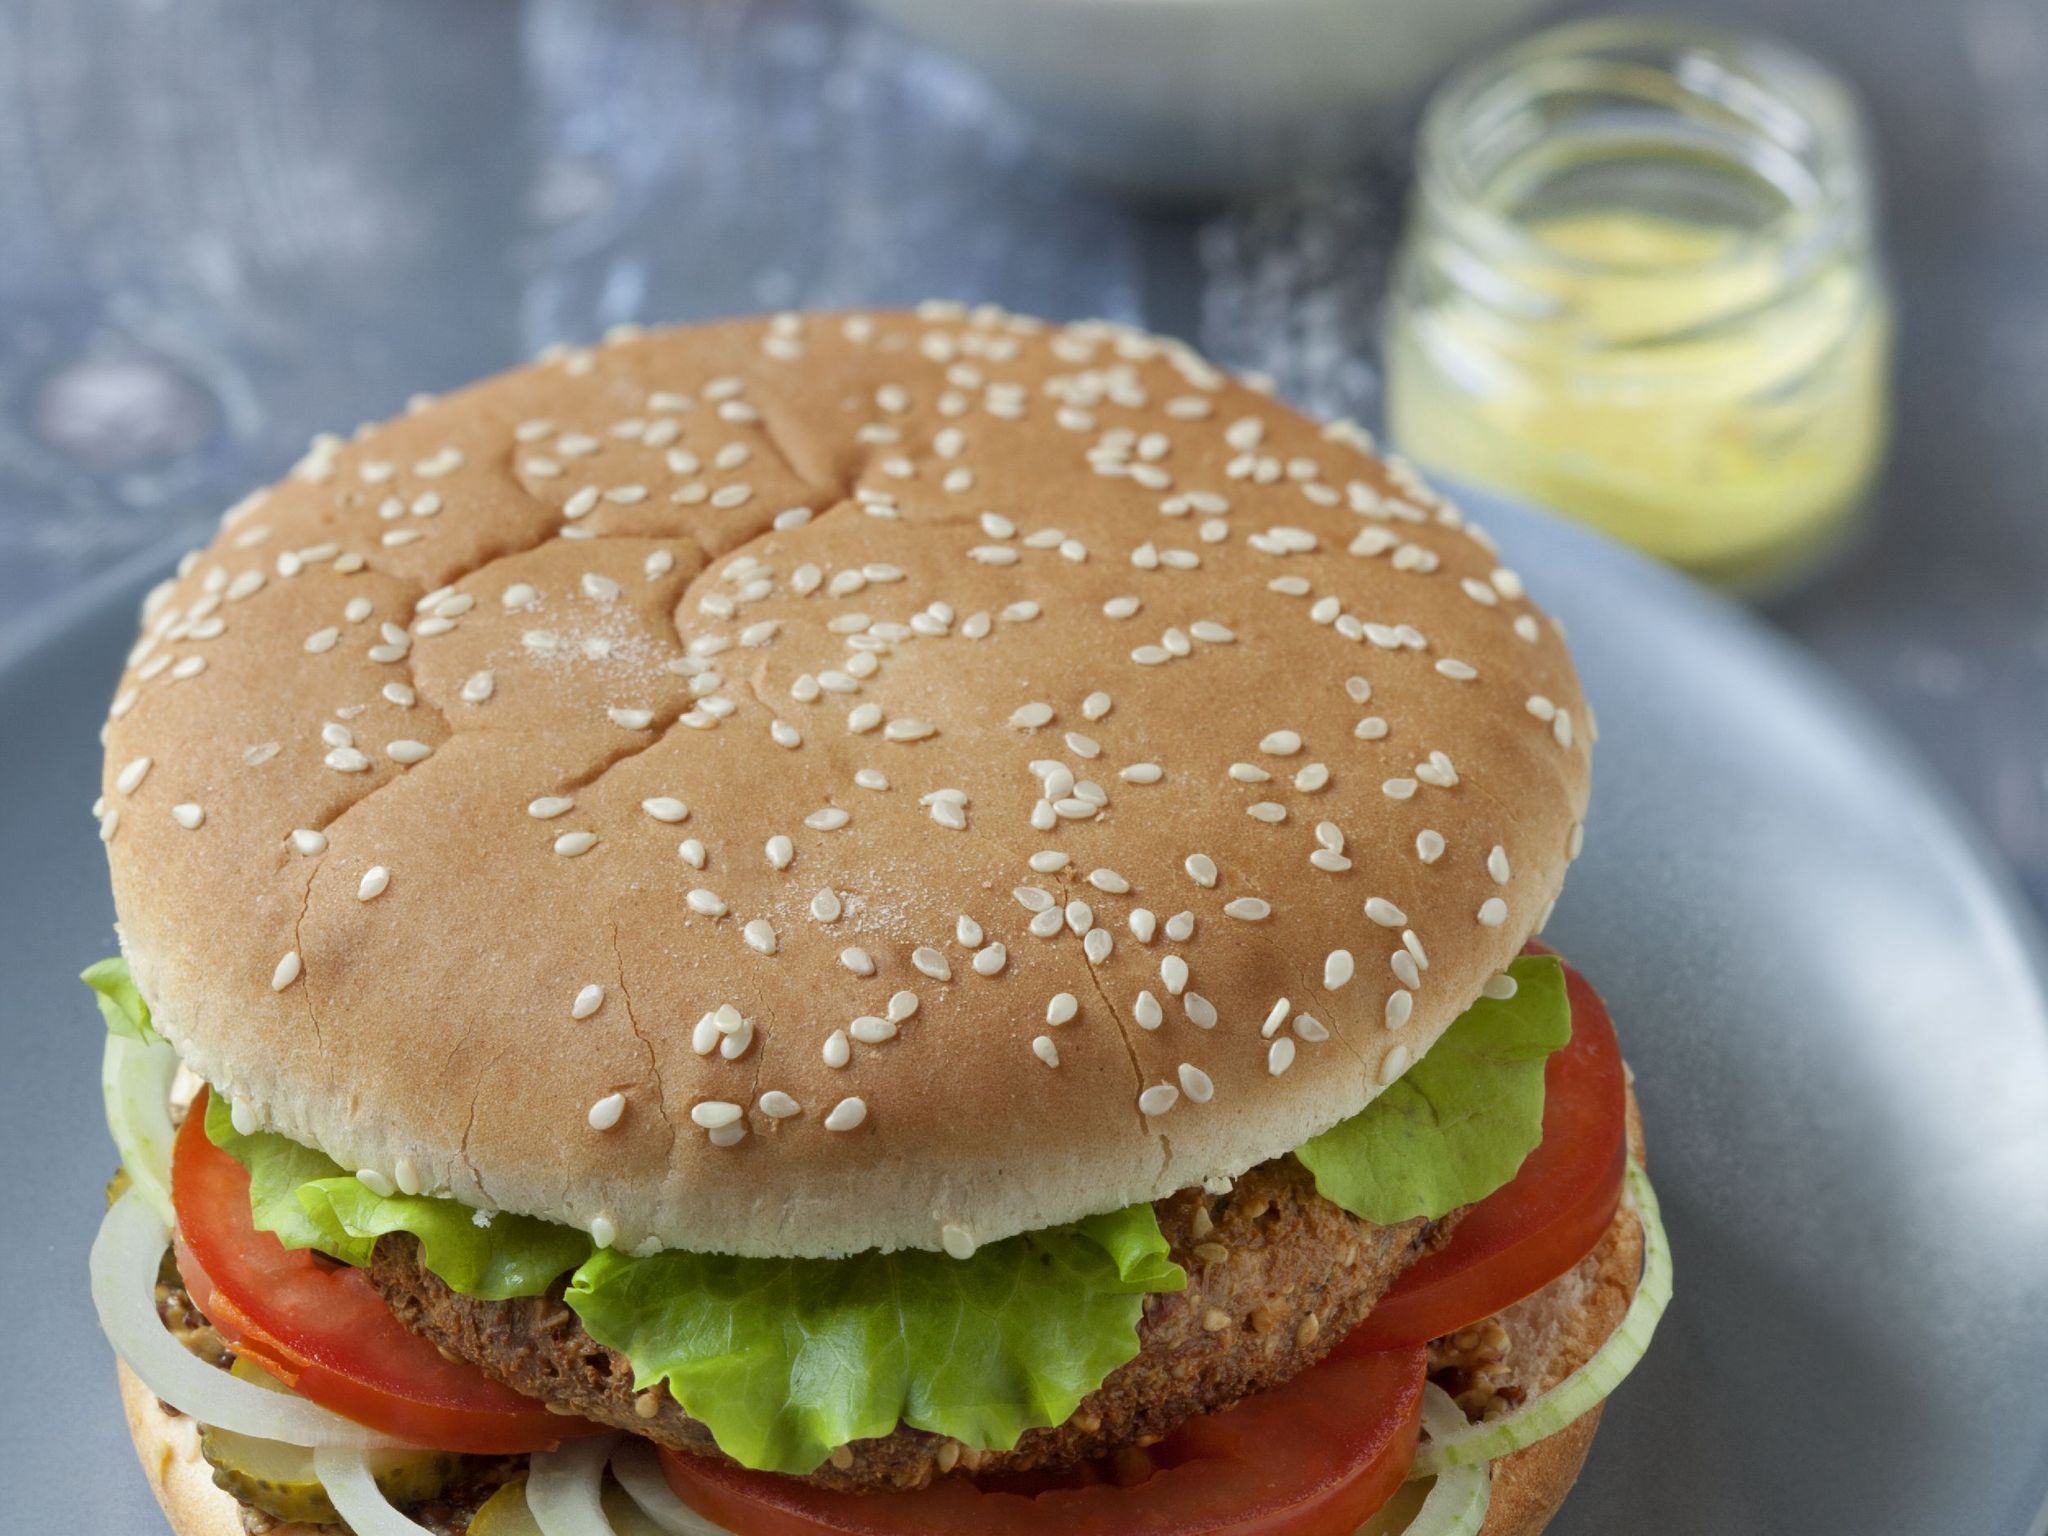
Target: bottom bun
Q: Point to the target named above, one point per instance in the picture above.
(167, 1444)
(1553, 1333)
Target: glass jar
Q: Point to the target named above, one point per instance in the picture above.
(1640, 286)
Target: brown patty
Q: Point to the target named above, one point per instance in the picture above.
(1276, 1276)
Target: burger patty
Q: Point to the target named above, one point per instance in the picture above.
(1276, 1276)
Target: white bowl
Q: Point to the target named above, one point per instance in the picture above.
(1195, 98)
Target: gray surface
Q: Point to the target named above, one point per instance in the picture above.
(225, 223)
(1833, 1010)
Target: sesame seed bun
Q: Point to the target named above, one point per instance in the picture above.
(789, 668)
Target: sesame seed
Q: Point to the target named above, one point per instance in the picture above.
(828, 819)
(130, 778)
(708, 903)
(1180, 927)
(988, 961)
(1158, 1099)
(1384, 912)
(571, 844)
(605, 1113)
(1338, 968)
(1279, 1056)
(188, 815)
(777, 1105)
(1173, 972)
(1394, 1065)
(780, 851)
(376, 880)
(1400, 1007)
(1268, 811)
(1250, 909)
(1493, 912)
(665, 808)
(759, 934)
(1201, 869)
(1405, 970)
(1500, 988)
(1275, 1017)
(1045, 1050)
(1398, 789)
(1497, 864)
(837, 1051)
(287, 971)
(692, 852)
(711, 1114)
(1196, 1084)
(1062, 1008)
(933, 963)
(846, 1115)
(1429, 845)
(825, 906)
(870, 1030)
(307, 841)
(376, 1183)
(1200, 1011)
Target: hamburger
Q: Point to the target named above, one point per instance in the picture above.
(853, 923)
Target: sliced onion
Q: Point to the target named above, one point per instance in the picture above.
(352, 1487)
(125, 1258)
(637, 1467)
(1458, 1500)
(135, 1079)
(1590, 1383)
(565, 1488)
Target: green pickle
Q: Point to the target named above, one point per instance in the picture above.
(505, 1513)
(278, 1478)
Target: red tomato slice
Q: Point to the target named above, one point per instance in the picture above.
(1544, 1220)
(1315, 1456)
(321, 1328)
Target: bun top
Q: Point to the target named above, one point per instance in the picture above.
(795, 786)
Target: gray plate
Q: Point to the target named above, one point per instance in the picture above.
(1832, 1002)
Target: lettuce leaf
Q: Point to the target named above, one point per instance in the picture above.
(121, 1005)
(309, 1201)
(784, 1359)
(1457, 1125)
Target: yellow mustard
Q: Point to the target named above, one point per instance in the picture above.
(1643, 297)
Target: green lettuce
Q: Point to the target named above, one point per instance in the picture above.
(309, 1201)
(784, 1359)
(121, 1004)
(1457, 1125)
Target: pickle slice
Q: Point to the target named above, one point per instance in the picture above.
(278, 1478)
(505, 1513)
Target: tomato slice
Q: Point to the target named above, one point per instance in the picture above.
(1314, 1456)
(1545, 1219)
(322, 1329)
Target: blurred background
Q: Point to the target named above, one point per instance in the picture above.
(225, 224)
